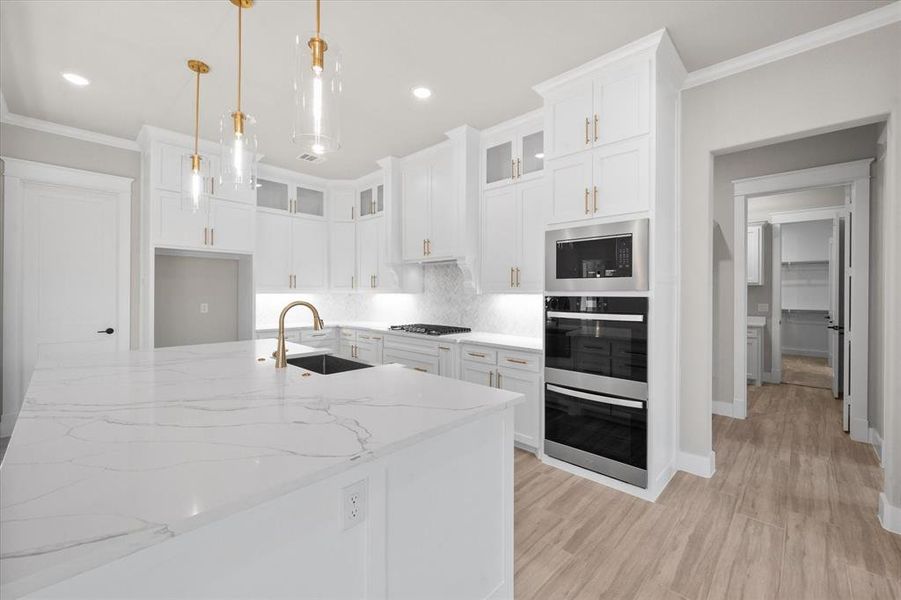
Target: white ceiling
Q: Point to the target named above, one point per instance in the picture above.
(480, 58)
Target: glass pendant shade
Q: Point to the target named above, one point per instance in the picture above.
(195, 182)
(317, 91)
(238, 141)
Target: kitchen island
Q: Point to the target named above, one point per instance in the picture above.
(204, 472)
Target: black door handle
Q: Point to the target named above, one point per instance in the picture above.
(107, 331)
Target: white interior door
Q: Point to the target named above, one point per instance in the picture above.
(835, 320)
(856, 239)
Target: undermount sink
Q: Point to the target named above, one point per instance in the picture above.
(326, 364)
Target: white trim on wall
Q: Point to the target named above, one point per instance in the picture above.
(696, 464)
(889, 515)
(18, 173)
(868, 21)
(855, 174)
(876, 442)
(66, 131)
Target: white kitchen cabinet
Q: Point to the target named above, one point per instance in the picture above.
(273, 196)
(755, 255)
(513, 153)
(608, 181)
(342, 203)
(371, 199)
(176, 226)
(514, 371)
(439, 192)
(309, 242)
(755, 355)
(606, 107)
(369, 253)
(620, 178)
(272, 259)
(570, 181)
(231, 226)
(526, 423)
(167, 172)
(291, 253)
(342, 256)
(217, 225)
(322, 338)
(474, 372)
(346, 349)
(245, 194)
(419, 354)
(512, 237)
(285, 195)
(369, 347)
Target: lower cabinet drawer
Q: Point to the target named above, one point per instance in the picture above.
(518, 360)
(311, 335)
(479, 354)
(419, 362)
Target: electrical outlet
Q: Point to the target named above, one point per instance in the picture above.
(204, 308)
(763, 308)
(354, 503)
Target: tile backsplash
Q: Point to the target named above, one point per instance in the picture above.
(444, 301)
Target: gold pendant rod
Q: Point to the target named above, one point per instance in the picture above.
(197, 114)
(317, 18)
(240, 9)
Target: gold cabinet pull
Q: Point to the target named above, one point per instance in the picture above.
(512, 277)
(212, 236)
(443, 348)
(518, 361)
(586, 201)
(428, 245)
(513, 169)
(595, 198)
(420, 369)
(205, 229)
(351, 282)
(423, 247)
(498, 380)
(490, 378)
(595, 128)
(587, 125)
(517, 276)
(518, 167)
(476, 354)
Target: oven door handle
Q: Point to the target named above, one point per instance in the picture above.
(595, 316)
(596, 397)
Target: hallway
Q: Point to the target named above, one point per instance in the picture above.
(790, 513)
(806, 370)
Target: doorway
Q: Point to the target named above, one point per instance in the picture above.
(817, 221)
(65, 269)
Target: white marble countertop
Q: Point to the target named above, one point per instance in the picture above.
(515, 342)
(114, 453)
(756, 321)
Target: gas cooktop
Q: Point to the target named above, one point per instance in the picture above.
(430, 329)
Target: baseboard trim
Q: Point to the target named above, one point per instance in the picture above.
(722, 408)
(696, 464)
(889, 515)
(876, 442)
(805, 352)
(769, 377)
(860, 430)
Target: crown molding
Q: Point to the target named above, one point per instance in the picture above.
(66, 131)
(868, 21)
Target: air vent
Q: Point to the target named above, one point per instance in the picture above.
(311, 158)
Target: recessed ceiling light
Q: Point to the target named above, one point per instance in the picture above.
(76, 79)
(422, 92)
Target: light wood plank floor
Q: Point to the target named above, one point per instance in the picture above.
(806, 370)
(790, 513)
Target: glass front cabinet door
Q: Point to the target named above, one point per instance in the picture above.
(513, 154)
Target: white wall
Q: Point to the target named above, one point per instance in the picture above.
(877, 331)
(183, 283)
(444, 301)
(849, 82)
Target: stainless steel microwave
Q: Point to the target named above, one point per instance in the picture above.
(607, 257)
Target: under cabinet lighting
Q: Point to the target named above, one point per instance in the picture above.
(422, 92)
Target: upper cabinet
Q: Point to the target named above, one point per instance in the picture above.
(599, 132)
(439, 198)
(755, 255)
(283, 195)
(512, 238)
(291, 253)
(513, 153)
(371, 199)
(598, 109)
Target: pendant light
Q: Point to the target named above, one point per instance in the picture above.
(317, 89)
(195, 168)
(237, 131)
